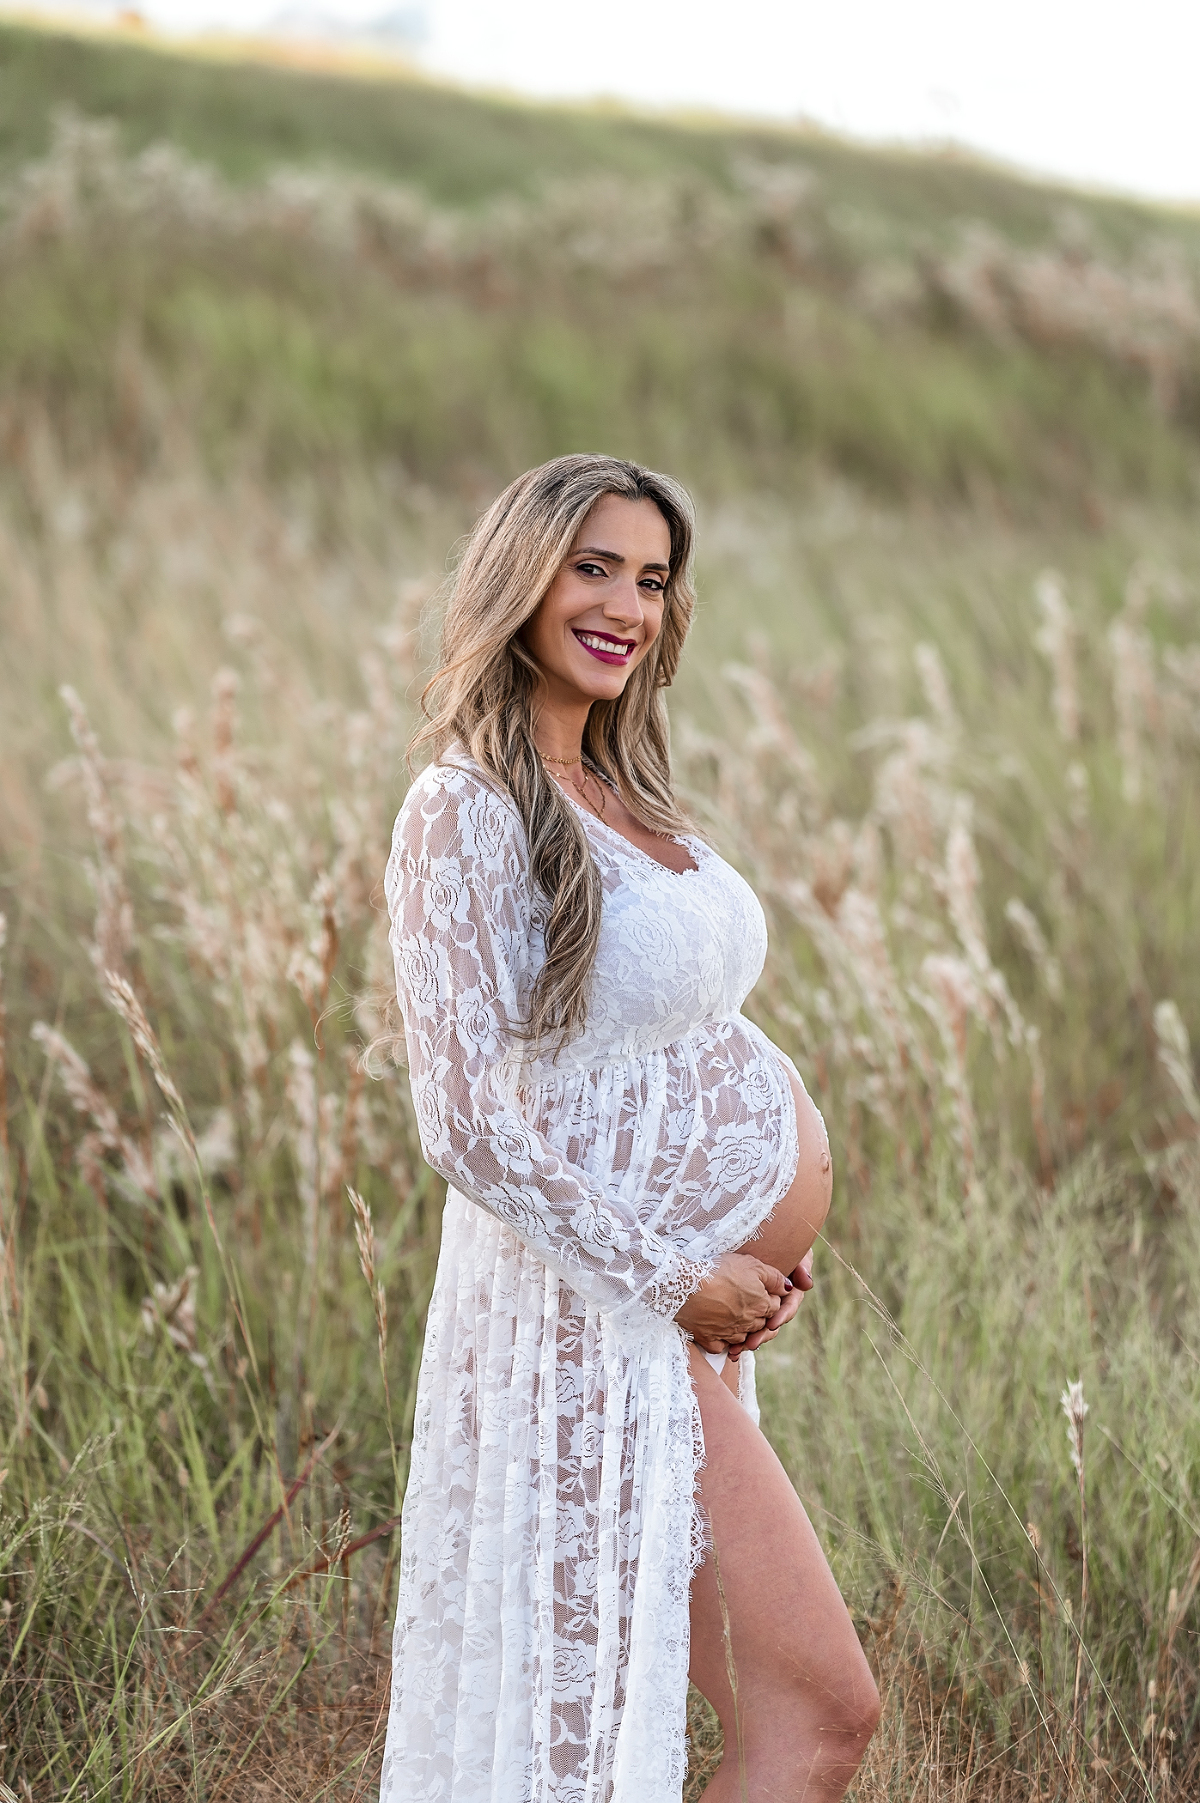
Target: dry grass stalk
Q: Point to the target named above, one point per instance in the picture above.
(731, 1673)
(1135, 695)
(90, 1102)
(122, 998)
(963, 879)
(936, 687)
(1075, 1409)
(1028, 929)
(1055, 639)
(364, 1235)
(113, 932)
(951, 997)
(1175, 1054)
(910, 798)
(268, 1527)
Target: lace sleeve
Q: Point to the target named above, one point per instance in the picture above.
(465, 949)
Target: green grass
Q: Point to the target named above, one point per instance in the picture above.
(745, 304)
(671, 322)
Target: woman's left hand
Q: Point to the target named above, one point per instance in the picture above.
(802, 1280)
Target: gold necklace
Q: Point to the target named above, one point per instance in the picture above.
(581, 791)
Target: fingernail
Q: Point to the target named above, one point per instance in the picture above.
(788, 1284)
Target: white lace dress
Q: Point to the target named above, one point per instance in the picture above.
(550, 1527)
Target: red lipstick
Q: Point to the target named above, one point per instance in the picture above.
(606, 648)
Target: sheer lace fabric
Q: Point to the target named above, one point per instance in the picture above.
(550, 1529)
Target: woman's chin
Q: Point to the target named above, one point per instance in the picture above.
(600, 684)
(608, 691)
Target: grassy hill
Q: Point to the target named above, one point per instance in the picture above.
(327, 266)
(462, 148)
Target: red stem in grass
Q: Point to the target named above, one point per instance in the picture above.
(268, 1528)
(355, 1546)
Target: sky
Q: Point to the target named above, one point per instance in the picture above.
(1102, 92)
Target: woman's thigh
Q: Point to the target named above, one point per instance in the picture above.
(796, 1657)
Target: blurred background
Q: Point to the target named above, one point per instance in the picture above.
(1067, 89)
(912, 302)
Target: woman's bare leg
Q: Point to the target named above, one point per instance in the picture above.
(806, 1700)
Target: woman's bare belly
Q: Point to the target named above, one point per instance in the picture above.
(796, 1219)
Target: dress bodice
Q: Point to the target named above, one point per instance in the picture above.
(664, 1133)
(677, 950)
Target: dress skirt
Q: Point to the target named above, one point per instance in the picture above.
(549, 1536)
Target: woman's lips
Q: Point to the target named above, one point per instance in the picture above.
(604, 648)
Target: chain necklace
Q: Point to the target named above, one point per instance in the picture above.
(580, 788)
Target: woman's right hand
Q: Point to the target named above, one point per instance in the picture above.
(737, 1300)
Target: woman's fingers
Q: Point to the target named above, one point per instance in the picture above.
(762, 1288)
(754, 1341)
(786, 1311)
(780, 1309)
(773, 1281)
(773, 1289)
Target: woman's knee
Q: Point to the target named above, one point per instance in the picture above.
(852, 1713)
(860, 1712)
(843, 1709)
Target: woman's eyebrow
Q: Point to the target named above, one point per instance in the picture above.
(613, 557)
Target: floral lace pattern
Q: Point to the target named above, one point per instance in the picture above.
(550, 1530)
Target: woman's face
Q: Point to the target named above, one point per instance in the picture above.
(603, 611)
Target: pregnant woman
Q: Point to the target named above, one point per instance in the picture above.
(636, 1177)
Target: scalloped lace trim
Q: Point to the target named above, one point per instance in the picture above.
(676, 1280)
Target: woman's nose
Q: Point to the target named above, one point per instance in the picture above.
(624, 602)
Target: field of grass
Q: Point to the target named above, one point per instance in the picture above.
(942, 705)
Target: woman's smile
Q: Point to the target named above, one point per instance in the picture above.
(604, 646)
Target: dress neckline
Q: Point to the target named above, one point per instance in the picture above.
(636, 850)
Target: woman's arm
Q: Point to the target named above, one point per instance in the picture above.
(459, 898)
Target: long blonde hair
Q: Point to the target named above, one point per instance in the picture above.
(483, 696)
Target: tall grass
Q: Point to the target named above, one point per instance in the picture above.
(980, 935)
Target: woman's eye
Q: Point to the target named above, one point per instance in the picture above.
(589, 569)
(653, 584)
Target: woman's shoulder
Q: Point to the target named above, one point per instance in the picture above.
(454, 808)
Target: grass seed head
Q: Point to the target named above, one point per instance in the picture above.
(1075, 1409)
(1175, 1054)
(1055, 639)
